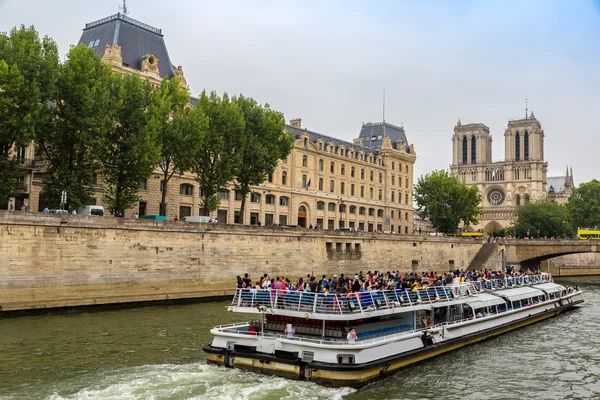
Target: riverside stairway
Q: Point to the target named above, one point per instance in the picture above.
(482, 256)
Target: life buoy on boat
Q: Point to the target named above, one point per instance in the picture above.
(252, 331)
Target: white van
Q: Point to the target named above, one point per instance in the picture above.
(91, 210)
(201, 219)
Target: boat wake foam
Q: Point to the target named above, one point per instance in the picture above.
(196, 381)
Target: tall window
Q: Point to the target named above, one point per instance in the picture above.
(371, 176)
(362, 191)
(393, 197)
(332, 167)
(526, 146)
(464, 150)
(518, 200)
(320, 183)
(380, 194)
(380, 178)
(352, 172)
(343, 169)
(284, 177)
(304, 181)
(332, 186)
(371, 193)
(362, 173)
(320, 165)
(473, 150)
(342, 188)
(352, 190)
(304, 161)
(186, 189)
(283, 201)
(517, 147)
(393, 180)
(320, 205)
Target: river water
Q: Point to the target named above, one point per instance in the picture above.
(155, 353)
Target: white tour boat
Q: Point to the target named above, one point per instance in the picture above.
(350, 340)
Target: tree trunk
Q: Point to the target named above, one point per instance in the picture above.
(164, 192)
(244, 192)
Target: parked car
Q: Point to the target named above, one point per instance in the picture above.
(91, 210)
(58, 211)
(202, 219)
(155, 217)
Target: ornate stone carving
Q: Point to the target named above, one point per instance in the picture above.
(150, 64)
(112, 55)
(179, 74)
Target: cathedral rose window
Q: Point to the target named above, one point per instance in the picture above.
(496, 197)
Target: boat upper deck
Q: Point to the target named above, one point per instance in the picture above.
(364, 304)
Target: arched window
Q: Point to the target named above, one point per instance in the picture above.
(526, 146)
(526, 198)
(464, 150)
(473, 150)
(342, 208)
(254, 197)
(270, 199)
(362, 210)
(186, 189)
(303, 181)
(518, 200)
(517, 147)
(331, 207)
(320, 165)
(304, 161)
(283, 201)
(320, 205)
(352, 209)
(380, 213)
(284, 177)
(371, 212)
(320, 183)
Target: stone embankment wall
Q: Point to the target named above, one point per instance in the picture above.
(59, 261)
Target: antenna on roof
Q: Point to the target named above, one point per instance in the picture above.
(383, 103)
(124, 7)
(526, 108)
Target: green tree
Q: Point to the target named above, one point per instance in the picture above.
(264, 143)
(177, 146)
(219, 155)
(130, 150)
(82, 114)
(584, 205)
(446, 201)
(28, 73)
(544, 218)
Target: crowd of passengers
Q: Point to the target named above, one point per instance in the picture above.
(376, 280)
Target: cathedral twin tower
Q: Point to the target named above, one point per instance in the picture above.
(504, 185)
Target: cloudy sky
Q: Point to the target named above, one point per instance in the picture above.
(328, 61)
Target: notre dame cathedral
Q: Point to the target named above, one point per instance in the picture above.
(504, 185)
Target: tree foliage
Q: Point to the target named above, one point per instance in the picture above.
(28, 74)
(541, 219)
(177, 145)
(264, 143)
(218, 157)
(130, 150)
(81, 116)
(446, 201)
(584, 205)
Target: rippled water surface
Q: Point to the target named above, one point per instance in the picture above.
(155, 353)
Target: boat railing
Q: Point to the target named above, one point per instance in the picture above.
(371, 300)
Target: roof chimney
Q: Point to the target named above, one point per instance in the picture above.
(296, 122)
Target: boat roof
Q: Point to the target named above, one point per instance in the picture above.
(550, 287)
(520, 293)
(485, 300)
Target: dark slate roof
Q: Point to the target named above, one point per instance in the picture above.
(557, 183)
(314, 136)
(135, 38)
(378, 130)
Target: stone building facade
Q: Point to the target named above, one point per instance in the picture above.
(324, 182)
(504, 185)
(560, 188)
